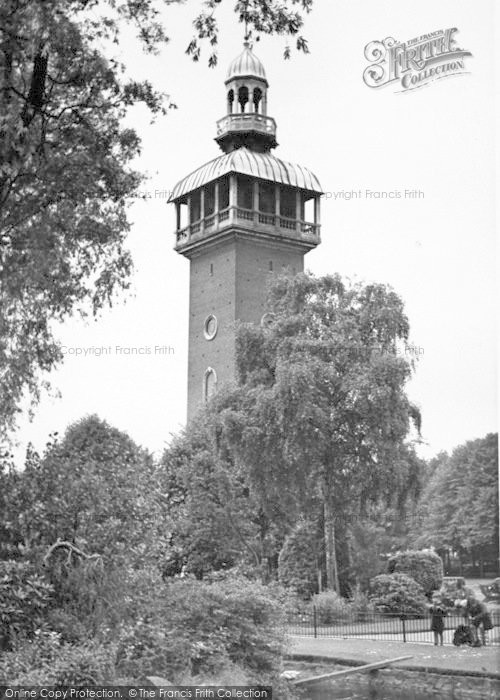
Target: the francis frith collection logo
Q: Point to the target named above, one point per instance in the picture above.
(416, 62)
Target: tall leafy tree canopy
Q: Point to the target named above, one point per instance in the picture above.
(321, 410)
(459, 506)
(65, 174)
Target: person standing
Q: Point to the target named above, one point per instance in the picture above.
(438, 613)
(480, 619)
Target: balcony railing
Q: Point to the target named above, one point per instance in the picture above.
(262, 221)
(246, 122)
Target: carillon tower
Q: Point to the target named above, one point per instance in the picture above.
(240, 218)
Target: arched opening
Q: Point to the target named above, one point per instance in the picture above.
(243, 98)
(230, 101)
(209, 384)
(257, 99)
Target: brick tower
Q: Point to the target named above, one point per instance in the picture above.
(240, 218)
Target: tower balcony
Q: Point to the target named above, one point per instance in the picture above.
(246, 122)
(243, 126)
(253, 221)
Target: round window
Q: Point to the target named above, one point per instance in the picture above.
(210, 327)
(267, 319)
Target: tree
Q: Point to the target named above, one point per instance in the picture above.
(300, 560)
(459, 511)
(217, 522)
(65, 155)
(321, 410)
(93, 489)
(89, 514)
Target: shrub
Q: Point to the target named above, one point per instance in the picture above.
(425, 567)
(298, 560)
(397, 593)
(203, 628)
(329, 607)
(46, 660)
(360, 604)
(69, 627)
(24, 596)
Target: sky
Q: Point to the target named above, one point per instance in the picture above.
(436, 249)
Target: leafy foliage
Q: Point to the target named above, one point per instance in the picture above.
(48, 661)
(90, 511)
(65, 162)
(93, 489)
(218, 519)
(397, 593)
(280, 17)
(330, 607)
(203, 628)
(24, 597)
(64, 178)
(321, 406)
(459, 506)
(369, 542)
(424, 567)
(300, 559)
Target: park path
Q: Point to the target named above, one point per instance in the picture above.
(482, 660)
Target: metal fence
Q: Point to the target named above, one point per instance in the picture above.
(386, 627)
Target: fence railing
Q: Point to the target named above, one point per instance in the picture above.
(386, 627)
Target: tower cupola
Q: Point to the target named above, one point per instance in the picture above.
(246, 122)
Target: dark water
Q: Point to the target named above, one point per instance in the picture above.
(362, 689)
(402, 686)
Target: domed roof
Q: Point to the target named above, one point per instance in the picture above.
(246, 162)
(246, 64)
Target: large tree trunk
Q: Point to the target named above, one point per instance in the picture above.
(332, 574)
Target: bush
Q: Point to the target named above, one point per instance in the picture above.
(360, 604)
(202, 629)
(46, 660)
(24, 597)
(298, 560)
(397, 593)
(67, 626)
(425, 567)
(330, 607)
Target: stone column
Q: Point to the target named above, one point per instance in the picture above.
(202, 210)
(233, 197)
(317, 210)
(255, 201)
(216, 200)
(298, 212)
(277, 204)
